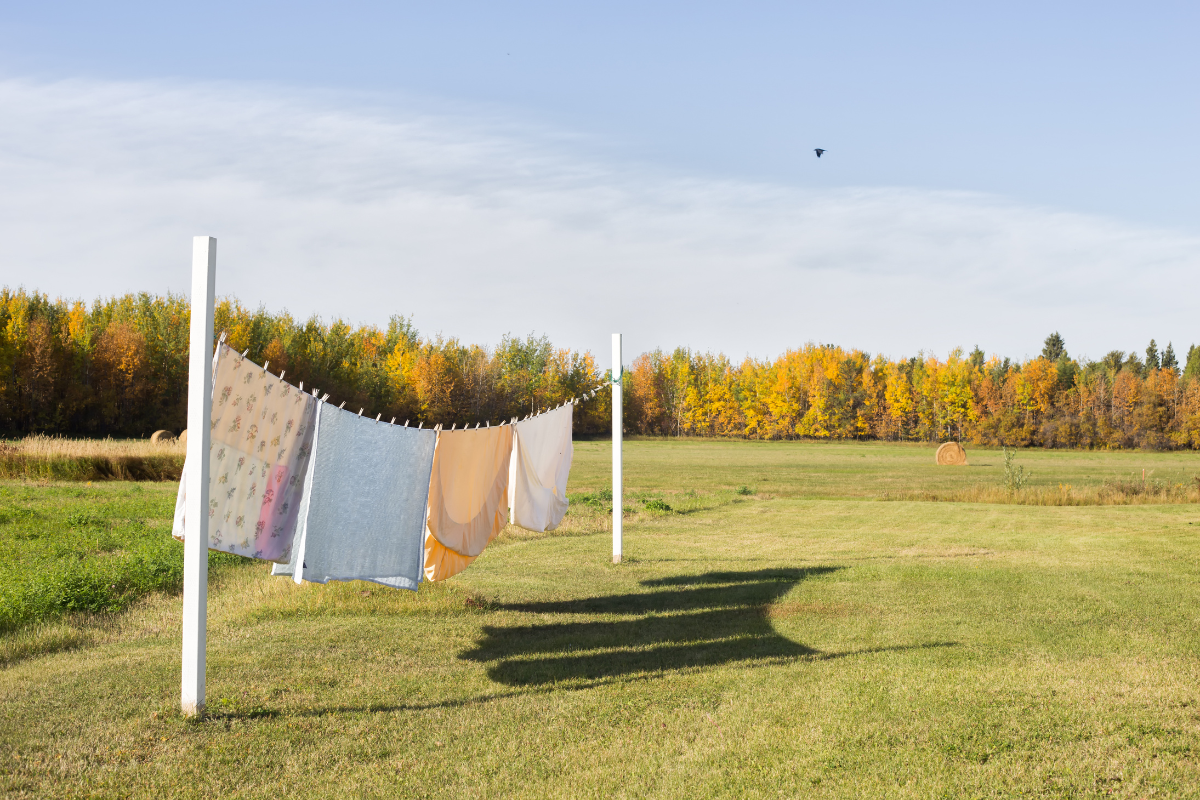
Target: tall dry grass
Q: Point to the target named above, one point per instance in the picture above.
(60, 447)
(1110, 493)
(41, 457)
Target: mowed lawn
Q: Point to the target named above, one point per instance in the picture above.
(807, 638)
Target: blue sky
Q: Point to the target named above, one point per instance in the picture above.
(992, 173)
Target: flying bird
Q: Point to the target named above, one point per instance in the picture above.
(818, 151)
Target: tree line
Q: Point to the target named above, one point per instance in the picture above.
(1124, 400)
(118, 367)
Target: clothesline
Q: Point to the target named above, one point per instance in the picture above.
(387, 503)
(575, 400)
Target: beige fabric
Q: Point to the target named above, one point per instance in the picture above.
(262, 436)
(468, 497)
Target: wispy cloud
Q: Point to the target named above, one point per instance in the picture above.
(478, 226)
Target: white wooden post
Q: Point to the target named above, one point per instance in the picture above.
(199, 413)
(618, 506)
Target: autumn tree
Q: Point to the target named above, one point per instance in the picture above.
(120, 368)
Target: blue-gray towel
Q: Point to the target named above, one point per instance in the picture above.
(362, 516)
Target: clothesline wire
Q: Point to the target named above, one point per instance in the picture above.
(587, 394)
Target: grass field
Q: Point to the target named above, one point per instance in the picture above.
(780, 631)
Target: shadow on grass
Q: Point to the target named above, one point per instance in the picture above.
(528, 689)
(683, 623)
(689, 622)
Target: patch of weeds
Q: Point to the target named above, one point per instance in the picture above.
(83, 519)
(1146, 486)
(16, 514)
(657, 505)
(477, 602)
(744, 490)
(599, 499)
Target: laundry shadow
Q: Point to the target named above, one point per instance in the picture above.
(687, 622)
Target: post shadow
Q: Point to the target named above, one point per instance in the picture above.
(689, 621)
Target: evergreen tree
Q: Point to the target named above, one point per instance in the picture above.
(1168, 359)
(1152, 361)
(1054, 347)
(1191, 368)
(977, 358)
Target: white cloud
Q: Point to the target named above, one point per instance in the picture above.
(479, 227)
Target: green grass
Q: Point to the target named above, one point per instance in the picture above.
(802, 639)
(890, 471)
(81, 548)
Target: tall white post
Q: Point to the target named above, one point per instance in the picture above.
(618, 506)
(195, 546)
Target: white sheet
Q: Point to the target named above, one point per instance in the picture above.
(540, 466)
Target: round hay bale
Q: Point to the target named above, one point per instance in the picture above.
(951, 454)
(162, 437)
(183, 438)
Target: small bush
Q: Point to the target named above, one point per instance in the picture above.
(1015, 477)
(657, 505)
(744, 490)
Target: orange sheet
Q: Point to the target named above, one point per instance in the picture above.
(468, 497)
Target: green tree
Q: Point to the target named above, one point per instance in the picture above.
(1168, 359)
(977, 358)
(1113, 361)
(1152, 360)
(1054, 347)
(1191, 368)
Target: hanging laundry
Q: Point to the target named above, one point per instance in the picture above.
(363, 512)
(541, 462)
(262, 436)
(468, 497)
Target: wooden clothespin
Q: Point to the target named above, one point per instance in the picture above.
(302, 387)
(377, 416)
(281, 373)
(244, 352)
(476, 424)
(406, 423)
(323, 399)
(393, 422)
(360, 411)
(420, 424)
(221, 338)
(453, 426)
(265, 365)
(343, 405)
(489, 423)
